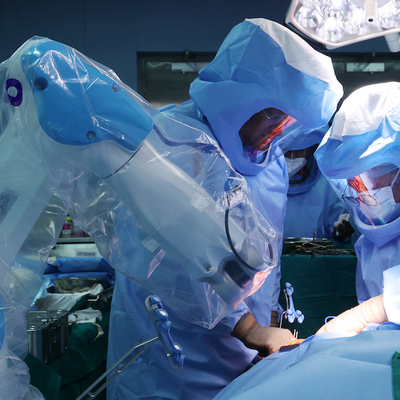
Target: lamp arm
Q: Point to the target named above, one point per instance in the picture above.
(393, 41)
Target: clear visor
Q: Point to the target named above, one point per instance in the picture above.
(292, 136)
(365, 188)
(276, 123)
(374, 195)
(264, 128)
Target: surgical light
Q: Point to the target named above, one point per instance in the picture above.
(337, 23)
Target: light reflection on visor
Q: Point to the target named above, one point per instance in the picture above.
(275, 132)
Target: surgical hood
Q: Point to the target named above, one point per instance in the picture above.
(262, 64)
(364, 135)
(364, 132)
(314, 137)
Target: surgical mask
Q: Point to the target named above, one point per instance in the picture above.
(295, 165)
(386, 210)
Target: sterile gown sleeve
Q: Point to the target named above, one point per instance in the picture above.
(391, 293)
(372, 262)
(269, 190)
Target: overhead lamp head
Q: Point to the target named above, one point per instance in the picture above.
(337, 23)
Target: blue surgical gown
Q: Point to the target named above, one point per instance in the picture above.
(313, 206)
(364, 135)
(313, 212)
(372, 261)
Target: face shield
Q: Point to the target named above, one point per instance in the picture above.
(261, 130)
(374, 195)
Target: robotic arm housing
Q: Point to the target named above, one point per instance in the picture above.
(85, 116)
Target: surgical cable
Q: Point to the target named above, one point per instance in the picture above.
(232, 245)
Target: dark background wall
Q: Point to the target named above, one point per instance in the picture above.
(112, 32)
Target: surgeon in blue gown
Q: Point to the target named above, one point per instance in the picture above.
(356, 354)
(313, 208)
(361, 154)
(262, 76)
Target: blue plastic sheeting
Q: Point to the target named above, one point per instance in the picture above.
(72, 264)
(80, 267)
(357, 367)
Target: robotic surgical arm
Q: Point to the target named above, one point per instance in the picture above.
(64, 115)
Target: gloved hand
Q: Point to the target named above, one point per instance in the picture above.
(266, 340)
(357, 318)
(342, 228)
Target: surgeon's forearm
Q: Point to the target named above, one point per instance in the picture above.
(357, 318)
(372, 311)
(243, 325)
(266, 340)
